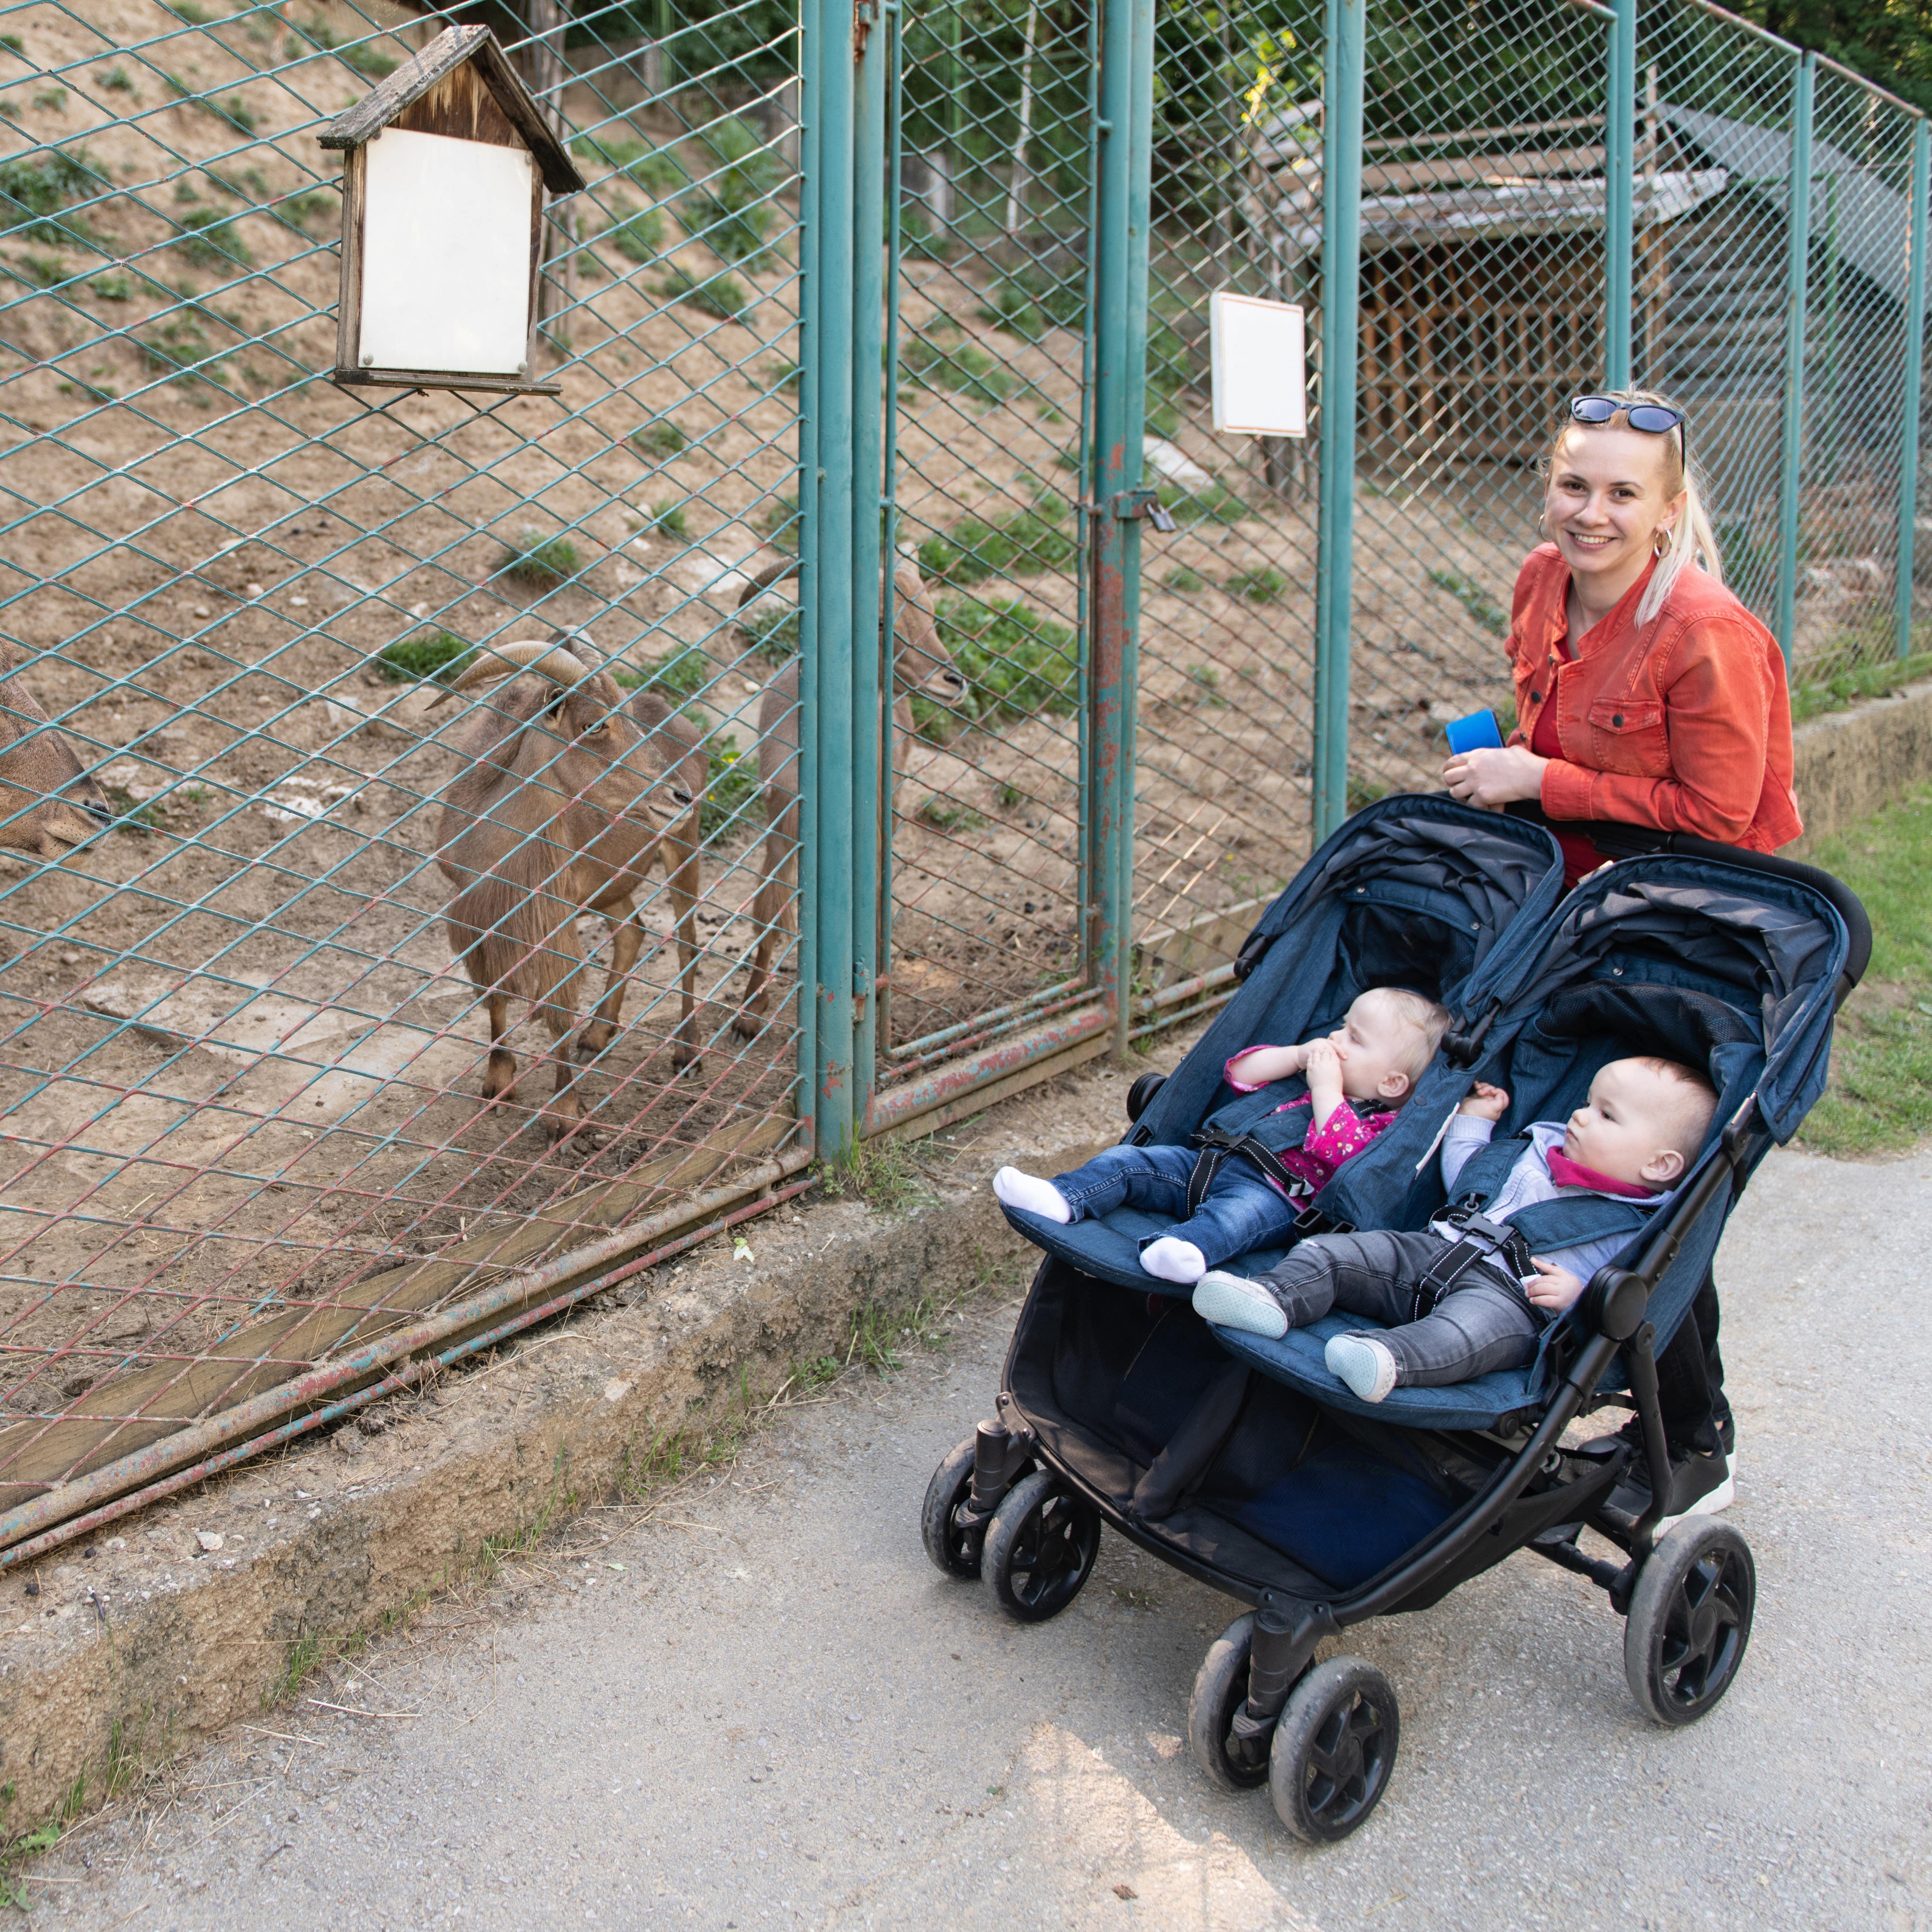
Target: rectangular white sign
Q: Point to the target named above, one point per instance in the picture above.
(1259, 362)
(445, 255)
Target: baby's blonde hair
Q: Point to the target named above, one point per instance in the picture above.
(1691, 1107)
(1692, 539)
(1430, 1021)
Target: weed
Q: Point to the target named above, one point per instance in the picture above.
(1028, 301)
(964, 367)
(124, 1753)
(817, 1373)
(44, 270)
(731, 212)
(1212, 502)
(882, 1174)
(1016, 663)
(950, 818)
(661, 438)
(1009, 795)
(1475, 599)
(11, 109)
(370, 62)
(235, 111)
(1857, 682)
(1364, 791)
(722, 295)
(186, 10)
(209, 241)
(1049, 414)
(680, 674)
(1185, 580)
(637, 238)
(13, 44)
(52, 100)
(668, 520)
(1040, 537)
(539, 562)
(177, 87)
(181, 343)
(1206, 683)
(1263, 585)
(780, 521)
(118, 80)
(34, 191)
(300, 209)
(430, 654)
(920, 240)
(786, 375)
(729, 792)
(658, 171)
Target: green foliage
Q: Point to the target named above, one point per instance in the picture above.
(884, 1175)
(730, 212)
(1204, 686)
(661, 438)
(1880, 1096)
(33, 189)
(186, 10)
(1167, 373)
(1889, 41)
(786, 375)
(118, 80)
(235, 111)
(53, 100)
(112, 288)
(1184, 581)
(729, 793)
(1364, 791)
(962, 367)
(722, 295)
(300, 209)
(210, 240)
(679, 675)
(918, 241)
(1213, 502)
(1856, 682)
(657, 171)
(1263, 585)
(637, 238)
(1016, 663)
(944, 817)
(1038, 538)
(369, 62)
(1475, 599)
(179, 344)
(668, 520)
(44, 270)
(1027, 302)
(429, 654)
(13, 44)
(779, 522)
(538, 561)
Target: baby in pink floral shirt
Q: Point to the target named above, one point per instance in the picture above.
(1358, 1077)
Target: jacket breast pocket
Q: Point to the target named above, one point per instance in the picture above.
(1627, 735)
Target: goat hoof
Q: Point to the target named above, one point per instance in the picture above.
(748, 1025)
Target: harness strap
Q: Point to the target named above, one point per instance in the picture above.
(1482, 1240)
(1218, 1147)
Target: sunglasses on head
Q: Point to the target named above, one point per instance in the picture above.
(1652, 418)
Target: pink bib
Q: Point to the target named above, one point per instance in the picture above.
(1568, 1173)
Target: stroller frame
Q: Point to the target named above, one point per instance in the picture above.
(1686, 1597)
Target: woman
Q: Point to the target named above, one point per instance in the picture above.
(1646, 695)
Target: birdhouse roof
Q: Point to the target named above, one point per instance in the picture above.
(429, 73)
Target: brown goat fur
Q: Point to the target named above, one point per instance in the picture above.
(567, 798)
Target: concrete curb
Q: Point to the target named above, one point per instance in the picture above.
(207, 1608)
(1851, 763)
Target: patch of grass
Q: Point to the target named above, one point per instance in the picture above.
(920, 240)
(1016, 663)
(186, 10)
(1028, 301)
(1879, 1100)
(235, 111)
(1475, 599)
(661, 438)
(1040, 537)
(1184, 581)
(964, 367)
(52, 100)
(658, 171)
(180, 344)
(17, 1848)
(1212, 503)
(779, 521)
(786, 375)
(369, 62)
(34, 189)
(668, 520)
(944, 817)
(118, 80)
(1856, 683)
(679, 674)
(1168, 372)
(1263, 585)
(539, 562)
(429, 654)
(729, 793)
(1007, 795)
(721, 295)
(1204, 683)
(13, 44)
(44, 270)
(1364, 791)
(884, 1175)
(112, 288)
(730, 212)
(209, 240)
(299, 210)
(177, 87)
(637, 238)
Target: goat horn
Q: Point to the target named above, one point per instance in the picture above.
(492, 661)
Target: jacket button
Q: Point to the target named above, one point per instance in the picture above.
(1536, 697)
(1617, 721)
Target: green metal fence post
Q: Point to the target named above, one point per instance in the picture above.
(1344, 62)
(1125, 126)
(871, 117)
(1915, 378)
(1620, 175)
(826, 726)
(1798, 231)
(812, 46)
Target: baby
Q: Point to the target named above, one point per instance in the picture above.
(1634, 1138)
(1358, 1077)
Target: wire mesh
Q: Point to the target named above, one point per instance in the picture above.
(991, 365)
(241, 1085)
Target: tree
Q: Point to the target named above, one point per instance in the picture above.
(1889, 41)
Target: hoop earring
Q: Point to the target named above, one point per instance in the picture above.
(1660, 542)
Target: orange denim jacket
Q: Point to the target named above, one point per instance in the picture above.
(1683, 724)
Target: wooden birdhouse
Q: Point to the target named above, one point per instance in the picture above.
(446, 167)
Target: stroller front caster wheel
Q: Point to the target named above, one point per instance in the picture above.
(1220, 1689)
(1690, 1620)
(1040, 1548)
(1333, 1750)
(954, 1550)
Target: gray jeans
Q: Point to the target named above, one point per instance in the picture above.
(1485, 1322)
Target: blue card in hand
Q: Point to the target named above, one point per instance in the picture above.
(1477, 732)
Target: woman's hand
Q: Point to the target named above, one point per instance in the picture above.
(1493, 778)
(1556, 1290)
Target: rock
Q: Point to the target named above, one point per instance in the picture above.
(349, 1440)
(210, 1539)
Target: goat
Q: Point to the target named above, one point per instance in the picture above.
(48, 804)
(565, 799)
(920, 662)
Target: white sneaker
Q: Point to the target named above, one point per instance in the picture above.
(1232, 1301)
(1366, 1365)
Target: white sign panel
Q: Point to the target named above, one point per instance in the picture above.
(445, 255)
(1260, 366)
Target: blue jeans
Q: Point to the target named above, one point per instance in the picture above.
(1485, 1322)
(1240, 1212)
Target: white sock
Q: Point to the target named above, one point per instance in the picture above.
(1367, 1366)
(1031, 1195)
(1229, 1301)
(1169, 1260)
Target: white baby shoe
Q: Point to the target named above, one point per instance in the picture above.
(1367, 1366)
(1230, 1301)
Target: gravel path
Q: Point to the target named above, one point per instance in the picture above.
(763, 1706)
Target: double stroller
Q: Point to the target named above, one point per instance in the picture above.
(1245, 1463)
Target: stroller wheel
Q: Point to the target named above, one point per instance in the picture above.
(1220, 1689)
(1333, 1750)
(1040, 1548)
(954, 1550)
(1690, 1620)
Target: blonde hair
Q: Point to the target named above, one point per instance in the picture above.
(1692, 539)
(1692, 1109)
(1429, 1021)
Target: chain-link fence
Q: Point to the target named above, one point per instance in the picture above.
(355, 1019)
